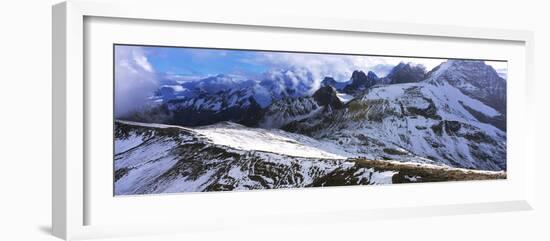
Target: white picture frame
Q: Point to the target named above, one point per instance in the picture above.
(71, 190)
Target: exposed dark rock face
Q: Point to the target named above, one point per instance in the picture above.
(405, 73)
(475, 79)
(360, 82)
(497, 121)
(204, 109)
(286, 110)
(248, 115)
(450, 127)
(428, 112)
(326, 96)
(329, 81)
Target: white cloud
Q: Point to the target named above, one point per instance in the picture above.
(141, 60)
(500, 67)
(497, 64)
(135, 79)
(339, 67)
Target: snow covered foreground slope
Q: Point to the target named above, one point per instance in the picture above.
(153, 158)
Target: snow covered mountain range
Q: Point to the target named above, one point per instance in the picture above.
(228, 133)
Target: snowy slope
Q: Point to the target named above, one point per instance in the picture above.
(426, 122)
(155, 158)
(288, 110)
(474, 79)
(247, 139)
(345, 98)
(271, 140)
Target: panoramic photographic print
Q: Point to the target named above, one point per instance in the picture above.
(204, 120)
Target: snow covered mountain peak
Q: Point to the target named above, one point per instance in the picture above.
(453, 70)
(221, 82)
(419, 121)
(288, 110)
(475, 79)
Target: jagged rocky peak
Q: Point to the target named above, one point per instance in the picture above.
(475, 79)
(286, 110)
(415, 121)
(328, 81)
(327, 96)
(360, 78)
(406, 73)
(361, 81)
(372, 75)
(453, 69)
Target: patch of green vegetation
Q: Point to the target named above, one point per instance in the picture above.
(356, 106)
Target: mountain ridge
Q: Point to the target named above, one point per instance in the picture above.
(437, 111)
(158, 158)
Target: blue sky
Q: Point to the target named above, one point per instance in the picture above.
(207, 62)
(190, 61)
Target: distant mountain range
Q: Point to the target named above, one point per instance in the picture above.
(234, 98)
(452, 116)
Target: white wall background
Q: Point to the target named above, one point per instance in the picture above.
(25, 122)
